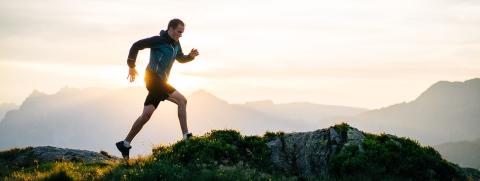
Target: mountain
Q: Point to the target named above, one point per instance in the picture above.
(304, 112)
(445, 112)
(339, 152)
(464, 153)
(95, 118)
(5, 107)
(71, 118)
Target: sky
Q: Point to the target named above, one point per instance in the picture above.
(369, 53)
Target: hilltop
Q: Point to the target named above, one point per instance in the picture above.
(340, 152)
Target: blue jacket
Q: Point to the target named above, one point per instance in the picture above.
(163, 52)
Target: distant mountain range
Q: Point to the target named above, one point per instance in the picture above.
(445, 112)
(6, 107)
(305, 112)
(464, 153)
(96, 118)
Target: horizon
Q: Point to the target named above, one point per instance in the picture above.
(368, 54)
(189, 93)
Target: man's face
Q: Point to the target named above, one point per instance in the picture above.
(176, 33)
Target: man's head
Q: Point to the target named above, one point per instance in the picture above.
(175, 29)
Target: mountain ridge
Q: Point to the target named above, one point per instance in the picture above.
(446, 111)
(464, 153)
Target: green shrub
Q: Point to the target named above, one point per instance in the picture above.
(225, 136)
(226, 147)
(203, 158)
(7, 160)
(11, 154)
(342, 129)
(269, 136)
(58, 176)
(386, 156)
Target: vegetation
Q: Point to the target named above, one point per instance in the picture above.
(227, 155)
(392, 158)
(218, 155)
(8, 164)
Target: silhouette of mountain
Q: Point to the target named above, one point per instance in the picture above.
(304, 112)
(447, 111)
(5, 107)
(95, 118)
(464, 153)
(72, 118)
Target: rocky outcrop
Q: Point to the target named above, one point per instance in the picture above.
(308, 153)
(44, 154)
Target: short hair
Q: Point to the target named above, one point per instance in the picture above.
(174, 23)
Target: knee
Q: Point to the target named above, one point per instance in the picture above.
(182, 102)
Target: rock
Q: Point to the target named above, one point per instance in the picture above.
(355, 137)
(45, 154)
(307, 153)
(334, 136)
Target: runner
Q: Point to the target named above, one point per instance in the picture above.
(164, 49)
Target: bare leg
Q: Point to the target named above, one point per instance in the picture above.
(141, 120)
(181, 101)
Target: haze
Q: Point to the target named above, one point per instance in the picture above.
(358, 53)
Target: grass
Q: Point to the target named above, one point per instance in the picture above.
(227, 155)
(64, 170)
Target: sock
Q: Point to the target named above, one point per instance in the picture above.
(126, 143)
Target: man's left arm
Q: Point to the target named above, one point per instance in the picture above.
(182, 58)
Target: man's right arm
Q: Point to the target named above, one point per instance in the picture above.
(137, 46)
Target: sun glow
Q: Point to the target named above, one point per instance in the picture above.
(182, 76)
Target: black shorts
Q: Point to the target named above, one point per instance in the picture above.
(158, 90)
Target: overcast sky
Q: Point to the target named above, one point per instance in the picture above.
(369, 53)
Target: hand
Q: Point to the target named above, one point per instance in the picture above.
(193, 53)
(132, 73)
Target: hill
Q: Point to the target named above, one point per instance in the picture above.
(339, 152)
(464, 153)
(445, 112)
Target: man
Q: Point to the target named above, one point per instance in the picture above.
(164, 49)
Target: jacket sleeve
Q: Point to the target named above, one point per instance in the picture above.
(181, 57)
(137, 46)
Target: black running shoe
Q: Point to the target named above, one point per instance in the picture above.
(123, 149)
(187, 136)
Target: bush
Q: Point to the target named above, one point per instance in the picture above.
(220, 154)
(7, 160)
(226, 147)
(386, 156)
(60, 176)
(342, 129)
